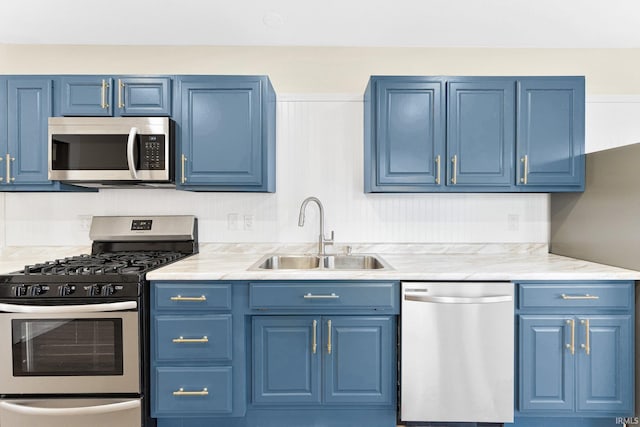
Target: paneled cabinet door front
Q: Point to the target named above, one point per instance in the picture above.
(409, 141)
(547, 363)
(29, 107)
(221, 133)
(144, 96)
(286, 359)
(86, 96)
(605, 364)
(358, 360)
(550, 138)
(480, 132)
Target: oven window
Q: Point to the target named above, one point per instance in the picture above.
(67, 347)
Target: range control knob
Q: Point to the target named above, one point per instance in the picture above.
(107, 290)
(20, 290)
(93, 290)
(66, 290)
(34, 290)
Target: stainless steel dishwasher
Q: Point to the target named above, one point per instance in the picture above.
(457, 352)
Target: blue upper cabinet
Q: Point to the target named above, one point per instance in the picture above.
(25, 107)
(550, 148)
(480, 131)
(227, 134)
(109, 96)
(468, 134)
(405, 134)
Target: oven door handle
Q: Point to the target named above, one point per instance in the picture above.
(82, 410)
(130, 160)
(85, 308)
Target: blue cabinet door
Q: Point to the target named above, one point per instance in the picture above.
(4, 150)
(358, 360)
(225, 142)
(144, 96)
(286, 364)
(408, 146)
(86, 96)
(550, 135)
(29, 108)
(480, 131)
(546, 364)
(605, 371)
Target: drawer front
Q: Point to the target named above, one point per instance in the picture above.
(205, 338)
(613, 296)
(192, 296)
(192, 391)
(334, 295)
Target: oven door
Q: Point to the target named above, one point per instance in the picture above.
(91, 348)
(98, 149)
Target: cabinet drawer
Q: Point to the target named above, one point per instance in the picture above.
(193, 338)
(335, 295)
(192, 391)
(618, 296)
(192, 296)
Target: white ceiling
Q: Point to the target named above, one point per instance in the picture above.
(429, 23)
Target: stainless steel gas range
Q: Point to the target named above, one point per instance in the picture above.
(74, 332)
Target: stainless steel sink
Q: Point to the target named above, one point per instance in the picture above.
(315, 262)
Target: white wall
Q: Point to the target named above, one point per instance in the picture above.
(319, 152)
(612, 121)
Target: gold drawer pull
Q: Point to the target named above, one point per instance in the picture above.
(181, 298)
(181, 392)
(312, 296)
(190, 340)
(586, 296)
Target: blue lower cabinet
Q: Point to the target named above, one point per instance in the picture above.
(358, 367)
(351, 358)
(286, 359)
(546, 364)
(576, 351)
(192, 391)
(605, 364)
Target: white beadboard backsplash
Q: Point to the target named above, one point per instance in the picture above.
(319, 153)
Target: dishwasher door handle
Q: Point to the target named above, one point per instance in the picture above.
(457, 300)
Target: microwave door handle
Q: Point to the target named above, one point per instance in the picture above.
(82, 410)
(85, 308)
(130, 161)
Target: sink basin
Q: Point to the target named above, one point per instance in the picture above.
(354, 262)
(289, 262)
(315, 262)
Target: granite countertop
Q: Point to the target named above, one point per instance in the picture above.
(408, 262)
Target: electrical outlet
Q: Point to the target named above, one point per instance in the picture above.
(85, 222)
(248, 222)
(232, 221)
(513, 222)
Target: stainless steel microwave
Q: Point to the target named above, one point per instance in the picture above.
(111, 151)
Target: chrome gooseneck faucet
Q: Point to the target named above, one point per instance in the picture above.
(322, 241)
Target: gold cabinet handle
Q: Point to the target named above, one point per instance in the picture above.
(312, 296)
(201, 298)
(103, 100)
(329, 337)
(120, 90)
(182, 340)
(525, 175)
(572, 346)
(9, 178)
(585, 296)
(1, 177)
(454, 173)
(438, 169)
(587, 345)
(314, 344)
(184, 178)
(181, 392)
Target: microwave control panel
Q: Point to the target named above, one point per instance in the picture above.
(152, 152)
